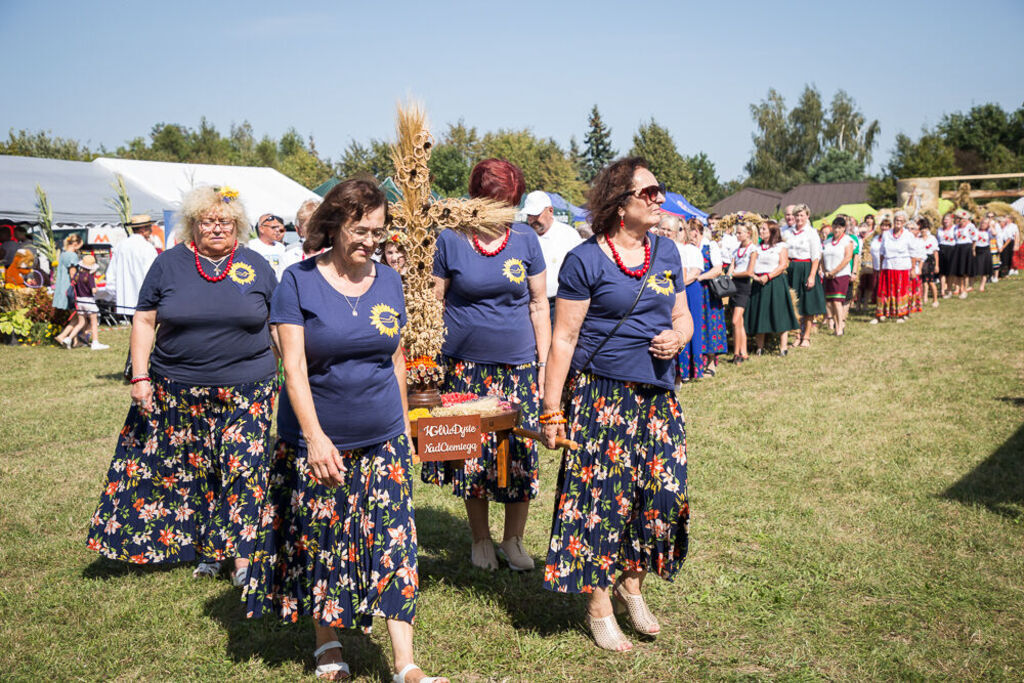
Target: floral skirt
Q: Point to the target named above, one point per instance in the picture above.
(342, 555)
(915, 295)
(188, 478)
(478, 477)
(715, 340)
(893, 290)
(690, 365)
(622, 501)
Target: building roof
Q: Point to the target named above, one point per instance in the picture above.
(826, 197)
(764, 202)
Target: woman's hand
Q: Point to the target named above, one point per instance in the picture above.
(142, 395)
(552, 432)
(412, 444)
(541, 376)
(810, 283)
(324, 460)
(665, 345)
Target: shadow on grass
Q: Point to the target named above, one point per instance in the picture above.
(998, 482)
(444, 559)
(276, 642)
(111, 376)
(103, 569)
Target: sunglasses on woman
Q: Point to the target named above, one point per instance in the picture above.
(650, 193)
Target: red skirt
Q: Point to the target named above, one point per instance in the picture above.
(1018, 258)
(893, 291)
(915, 295)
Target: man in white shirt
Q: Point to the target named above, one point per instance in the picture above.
(270, 232)
(130, 260)
(789, 220)
(556, 238)
(294, 253)
(1011, 239)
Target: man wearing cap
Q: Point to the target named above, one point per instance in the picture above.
(130, 260)
(556, 238)
(270, 231)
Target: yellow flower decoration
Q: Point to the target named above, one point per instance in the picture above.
(514, 270)
(385, 319)
(242, 273)
(662, 283)
(227, 194)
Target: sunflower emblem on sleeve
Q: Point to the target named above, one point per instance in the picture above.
(385, 319)
(242, 273)
(662, 283)
(514, 270)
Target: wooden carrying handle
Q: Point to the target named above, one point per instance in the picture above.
(560, 442)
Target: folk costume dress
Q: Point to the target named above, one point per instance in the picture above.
(917, 256)
(894, 278)
(188, 477)
(983, 266)
(715, 340)
(691, 366)
(771, 309)
(963, 252)
(343, 554)
(805, 247)
(947, 246)
(490, 349)
(929, 272)
(740, 262)
(621, 497)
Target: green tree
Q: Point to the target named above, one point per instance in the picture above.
(928, 156)
(598, 145)
(545, 165)
(770, 165)
(837, 166)
(705, 179)
(452, 159)
(654, 143)
(374, 159)
(44, 144)
(846, 129)
(577, 158)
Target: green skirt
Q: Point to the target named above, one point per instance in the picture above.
(770, 309)
(808, 301)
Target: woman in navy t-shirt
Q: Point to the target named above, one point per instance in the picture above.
(498, 333)
(190, 469)
(621, 499)
(339, 537)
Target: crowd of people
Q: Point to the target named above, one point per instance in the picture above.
(589, 338)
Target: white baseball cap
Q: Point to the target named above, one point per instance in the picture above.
(536, 201)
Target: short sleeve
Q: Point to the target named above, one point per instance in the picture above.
(573, 283)
(815, 246)
(441, 256)
(152, 286)
(716, 255)
(284, 306)
(537, 265)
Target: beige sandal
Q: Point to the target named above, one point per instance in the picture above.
(640, 618)
(607, 634)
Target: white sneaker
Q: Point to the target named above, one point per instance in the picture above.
(512, 551)
(935, 304)
(96, 346)
(874, 321)
(901, 320)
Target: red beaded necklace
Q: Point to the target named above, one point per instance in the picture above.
(638, 272)
(504, 243)
(740, 254)
(227, 266)
(837, 241)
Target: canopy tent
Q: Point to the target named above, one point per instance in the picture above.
(262, 190)
(1018, 205)
(391, 190)
(945, 206)
(677, 205)
(858, 211)
(79, 192)
(563, 210)
(323, 188)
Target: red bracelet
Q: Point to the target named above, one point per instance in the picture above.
(136, 380)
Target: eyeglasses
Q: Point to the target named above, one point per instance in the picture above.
(209, 225)
(649, 193)
(362, 233)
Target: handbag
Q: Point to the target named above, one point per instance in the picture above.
(722, 286)
(640, 293)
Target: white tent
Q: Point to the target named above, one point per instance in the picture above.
(1018, 205)
(262, 190)
(79, 192)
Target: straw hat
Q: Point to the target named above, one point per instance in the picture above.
(88, 262)
(141, 220)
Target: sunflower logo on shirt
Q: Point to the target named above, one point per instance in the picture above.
(385, 319)
(662, 283)
(242, 273)
(514, 270)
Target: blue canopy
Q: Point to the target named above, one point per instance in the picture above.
(677, 205)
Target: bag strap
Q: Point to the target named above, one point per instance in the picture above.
(640, 293)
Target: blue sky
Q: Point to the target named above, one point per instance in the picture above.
(105, 71)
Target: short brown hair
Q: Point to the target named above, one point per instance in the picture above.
(610, 191)
(347, 201)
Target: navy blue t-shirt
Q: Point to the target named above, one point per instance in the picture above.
(348, 357)
(210, 333)
(588, 273)
(487, 307)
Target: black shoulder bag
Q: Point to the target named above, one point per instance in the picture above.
(640, 293)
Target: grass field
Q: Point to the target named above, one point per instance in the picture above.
(858, 513)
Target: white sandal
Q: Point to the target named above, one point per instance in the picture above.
(640, 617)
(323, 670)
(240, 577)
(400, 676)
(607, 634)
(206, 570)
